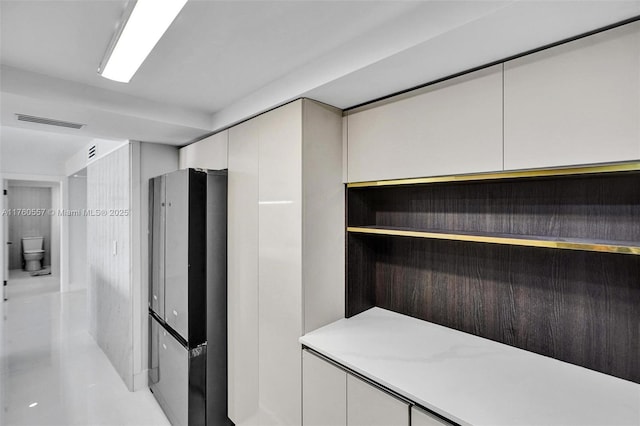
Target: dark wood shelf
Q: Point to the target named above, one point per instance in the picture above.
(604, 246)
(543, 260)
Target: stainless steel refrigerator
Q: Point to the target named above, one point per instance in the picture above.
(188, 296)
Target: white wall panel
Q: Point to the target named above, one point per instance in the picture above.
(108, 242)
(77, 226)
(322, 216)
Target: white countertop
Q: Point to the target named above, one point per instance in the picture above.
(471, 380)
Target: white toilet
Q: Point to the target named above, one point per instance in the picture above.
(33, 252)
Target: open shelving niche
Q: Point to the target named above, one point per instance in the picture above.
(478, 253)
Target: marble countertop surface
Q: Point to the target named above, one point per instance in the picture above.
(472, 380)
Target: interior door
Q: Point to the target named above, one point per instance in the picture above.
(177, 252)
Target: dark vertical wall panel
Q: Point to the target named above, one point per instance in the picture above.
(579, 307)
(361, 275)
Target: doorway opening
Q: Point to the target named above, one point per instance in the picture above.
(32, 238)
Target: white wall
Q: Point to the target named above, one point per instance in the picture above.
(38, 156)
(80, 159)
(148, 160)
(35, 153)
(108, 256)
(44, 156)
(77, 232)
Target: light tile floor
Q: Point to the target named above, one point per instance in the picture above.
(51, 370)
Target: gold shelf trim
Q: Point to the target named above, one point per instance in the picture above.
(566, 171)
(527, 242)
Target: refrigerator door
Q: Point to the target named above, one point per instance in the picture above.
(177, 377)
(156, 238)
(169, 374)
(177, 252)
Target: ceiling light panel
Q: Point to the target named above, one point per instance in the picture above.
(145, 26)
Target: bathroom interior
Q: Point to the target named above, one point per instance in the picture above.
(30, 226)
(29, 233)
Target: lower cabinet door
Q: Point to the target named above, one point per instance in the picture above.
(422, 418)
(324, 392)
(369, 406)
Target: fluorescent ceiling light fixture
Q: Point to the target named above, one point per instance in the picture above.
(143, 24)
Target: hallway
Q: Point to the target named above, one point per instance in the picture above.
(51, 370)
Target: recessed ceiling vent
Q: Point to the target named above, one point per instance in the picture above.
(92, 151)
(49, 121)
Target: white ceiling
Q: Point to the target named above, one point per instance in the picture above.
(223, 61)
(23, 148)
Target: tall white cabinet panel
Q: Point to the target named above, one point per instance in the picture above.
(577, 103)
(280, 266)
(286, 253)
(324, 392)
(451, 127)
(242, 273)
(323, 220)
(370, 406)
(422, 418)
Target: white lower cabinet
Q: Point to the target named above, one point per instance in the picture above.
(333, 397)
(324, 392)
(369, 406)
(422, 418)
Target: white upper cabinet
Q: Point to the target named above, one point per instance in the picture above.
(452, 127)
(209, 153)
(577, 103)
